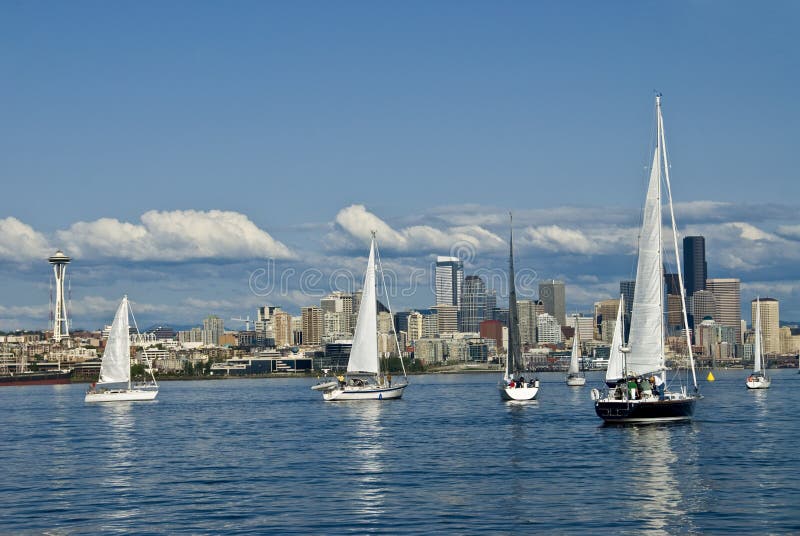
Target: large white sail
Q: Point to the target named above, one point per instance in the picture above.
(364, 354)
(646, 339)
(116, 364)
(616, 363)
(574, 366)
(757, 345)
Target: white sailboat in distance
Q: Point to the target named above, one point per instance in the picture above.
(574, 376)
(758, 379)
(641, 394)
(514, 386)
(115, 383)
(364, 379)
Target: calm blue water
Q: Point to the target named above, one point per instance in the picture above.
(258, 456)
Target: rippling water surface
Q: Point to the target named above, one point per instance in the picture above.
(258, 456)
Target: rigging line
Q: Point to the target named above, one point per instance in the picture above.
(389, 306)
(675, 243)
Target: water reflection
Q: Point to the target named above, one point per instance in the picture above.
(118, 459)
(368, 449)
(653, 484)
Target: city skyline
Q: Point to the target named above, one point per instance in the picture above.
(176, 168)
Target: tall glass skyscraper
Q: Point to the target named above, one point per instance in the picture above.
(473, 304)
(695, 268)
(449, 279)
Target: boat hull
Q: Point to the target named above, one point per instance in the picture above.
(58, 377)
(121, 395)
(758, 383)
(645, 411)
(363, 393)
(576, 381)
(518, 393)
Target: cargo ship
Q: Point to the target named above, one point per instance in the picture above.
(50, 377)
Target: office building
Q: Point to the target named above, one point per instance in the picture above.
(447, 318)
(312, 324)
(213, 328)
(548, 330)
(449, 280)
(473, 304)
(727, 295)
(770, 324)
(553, 297)
(695, 268)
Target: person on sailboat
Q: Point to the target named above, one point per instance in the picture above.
(659, 385)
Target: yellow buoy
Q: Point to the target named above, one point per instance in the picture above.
(710, 376)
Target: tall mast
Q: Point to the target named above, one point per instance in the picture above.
(663, 144)
(514, 358)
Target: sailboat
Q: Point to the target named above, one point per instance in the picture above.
(364, 379)
(641, 394)
(574, 376)
(115, 383)
(513, 386)
(758, 379)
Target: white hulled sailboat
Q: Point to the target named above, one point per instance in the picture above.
(758, 379)
(513, 386)
(640, 395)
(115, 384)
(574, 376)
(364, 379)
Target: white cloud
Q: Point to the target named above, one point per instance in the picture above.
(751, 232)
(19, 242)
(173, 236)
(591, 240)
(791, 232)
(358, 222)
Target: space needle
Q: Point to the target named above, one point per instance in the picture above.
(60, 324)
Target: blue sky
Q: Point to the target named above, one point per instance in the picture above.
(172, 147)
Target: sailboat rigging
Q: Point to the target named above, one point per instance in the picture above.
(640, 394)
(574, 376)
(364, 379)
(114, 384)
(513, 386)
(758, 379)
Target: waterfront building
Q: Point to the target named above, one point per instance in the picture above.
(553, 296)
(583, 324)
(473, 304)
(727, 295)
(414, 326)
(526, 315)
(213, 328)
(492, 329)
(604, 311)
(312, 324)
(282, 322)
(704, 306)
(695, 267)
(770, 324)
(447, 316)
(548, 330)
(449, 280)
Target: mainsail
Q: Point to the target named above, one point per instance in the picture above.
(646, 339)
(514, 359)
(116, 364)
(616, 359)
(364, 354)
(574, 367)
(757, 345)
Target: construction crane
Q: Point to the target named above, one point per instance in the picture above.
(245, 320)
